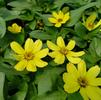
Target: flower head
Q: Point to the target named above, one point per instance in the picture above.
(89, 23)
(60, 51)
(59, 18)
(14, 28)
(30, 56)
(85, 81)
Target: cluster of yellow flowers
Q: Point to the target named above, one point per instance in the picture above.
(76, 78)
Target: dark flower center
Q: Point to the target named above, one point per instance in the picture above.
(60, 20)
(83, 82)
(28, 56)
(64, 51)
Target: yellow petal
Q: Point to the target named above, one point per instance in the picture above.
(52, 20)
(10, 28)
(98, 90)
(59, 59)
(68, 78)
(16, 48)
(82, 68)
(37, 46)
(71, 45)
(98, 24)
(84, 94)
(55, 14)
(91, 19)
(72, 69)
(52, 46)
(73, 59)
(60, 14)
(95, 82)
(14, 25)
(60, 42)
(71, 88)
(31, 66)
(92, 93)
(53, 54)
(66, 17)
(40, 63)
(93, 72)
(42, 53)
(76, 54)
(20, 66)
(58, 24)
(29, 45)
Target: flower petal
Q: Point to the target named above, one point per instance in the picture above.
(31, 66)
(98, 24)
(20, 66)
(52, 20)
(76, 54)
(55, 14)
(73, 59)
(91, 19)
(71, 45)
(95, 81)
(60, 14)
(42, 53)
(92, 93)
(58, 24)
(84, 94)
(60, 42)
(66, 17)
(52, 46)
(16, 48)
(40, 63)
(71, 69)
(59, 59)
(37, 46)
(93, 72)
(71, 88)
(29, 45)
(82, 68)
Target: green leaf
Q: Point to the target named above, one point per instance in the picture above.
(76, 14)
(75, 96)
(2, 80)
(38, 34)
(2, 27)
(46, 80)
(80, 30)
(21, 94)
(56, 95)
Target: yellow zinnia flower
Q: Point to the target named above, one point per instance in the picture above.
(30, 56)
(89, 23)
(61, 50)
(59, 18)
(14, 28)
(85, 81)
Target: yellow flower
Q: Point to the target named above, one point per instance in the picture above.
(30, 56)
(89, 23)
(59, 18)
(14, 28)
(85, 81)
(61, 50)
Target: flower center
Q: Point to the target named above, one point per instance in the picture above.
(83, 82)
(64, 51)
(60, 20)
(90, 25)
(28, 56)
